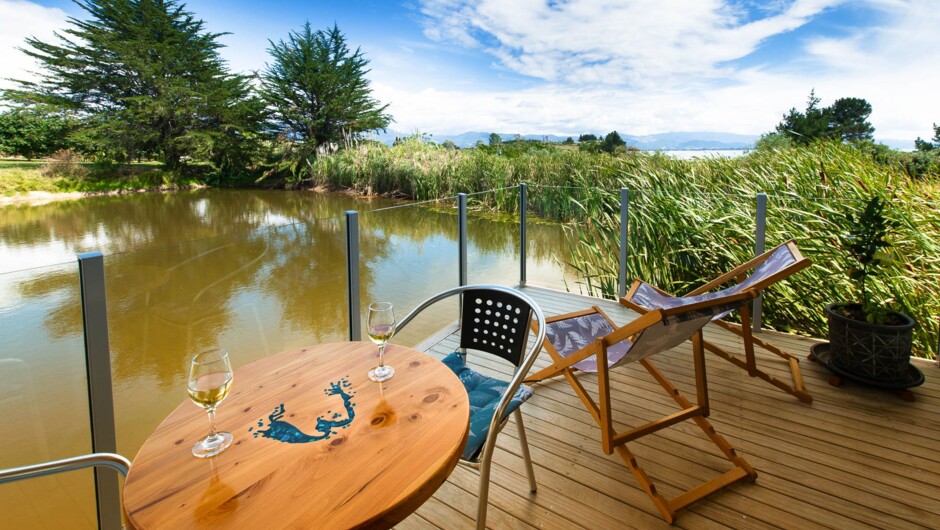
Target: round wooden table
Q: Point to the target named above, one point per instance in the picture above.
(316, 445)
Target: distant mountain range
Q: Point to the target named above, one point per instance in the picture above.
(653, 142)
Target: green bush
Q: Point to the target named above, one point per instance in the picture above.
(65, 163)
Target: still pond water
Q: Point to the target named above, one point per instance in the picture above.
(256, 272)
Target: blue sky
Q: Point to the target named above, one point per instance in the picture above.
(572, 66)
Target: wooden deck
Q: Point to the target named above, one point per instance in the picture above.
(855, 458)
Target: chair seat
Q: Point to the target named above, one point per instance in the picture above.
(572, 334)
(484, 392)
(648, 296)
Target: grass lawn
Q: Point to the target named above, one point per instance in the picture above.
(22, 176)
(14, 163)
(18, 177)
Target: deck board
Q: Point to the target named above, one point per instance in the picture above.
(855, 458)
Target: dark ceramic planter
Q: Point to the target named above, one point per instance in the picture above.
(872, 351)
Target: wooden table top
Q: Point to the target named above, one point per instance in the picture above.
(355, 453)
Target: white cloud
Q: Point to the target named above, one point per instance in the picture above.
(654, 66)
(640, 67)
(561, 109)
(19, 20)
(639, 44)
(893, 65)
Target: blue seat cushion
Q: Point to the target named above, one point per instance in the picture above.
(484, 393)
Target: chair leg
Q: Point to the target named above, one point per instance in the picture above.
(742, 470)
(489, 447)
(661, 503)
(525, 451)
(749, 359)
(797, 388)
(483, 498)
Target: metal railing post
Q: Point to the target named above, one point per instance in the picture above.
(523, 192)
(622, 272)
(760, 237)
(462, 238)
(98, 370)
(352, 274)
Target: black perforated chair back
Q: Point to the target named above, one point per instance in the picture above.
(496, 322)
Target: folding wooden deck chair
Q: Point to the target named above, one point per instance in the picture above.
(757, 274)
(589, 341)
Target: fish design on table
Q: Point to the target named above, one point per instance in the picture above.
(284, 431)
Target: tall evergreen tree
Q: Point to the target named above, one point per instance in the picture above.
(146, 80)
(848, 119)
(804, 127)
(612, 141)
(317, 89)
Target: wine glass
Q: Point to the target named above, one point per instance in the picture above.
(210, 379)
(381, 329)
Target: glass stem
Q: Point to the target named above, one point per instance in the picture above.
(212, 434)
(382, 355)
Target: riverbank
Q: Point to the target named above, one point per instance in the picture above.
(31, 182)
(38, 198)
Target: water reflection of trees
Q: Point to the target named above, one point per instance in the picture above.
(486, 232)
(185, 284)
(120, 223)
(308, 276)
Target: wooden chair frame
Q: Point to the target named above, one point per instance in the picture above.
(611, 439)
(743, 330)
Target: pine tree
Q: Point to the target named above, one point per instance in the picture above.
(848, 120)
(317, 89)
(808, 126)
(145, 80)
(612, 141)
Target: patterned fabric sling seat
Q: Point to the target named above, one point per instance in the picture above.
(575, 333)
(776, 262)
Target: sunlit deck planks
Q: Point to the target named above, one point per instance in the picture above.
(855, 458)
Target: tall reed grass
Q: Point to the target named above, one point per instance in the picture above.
(690, 220)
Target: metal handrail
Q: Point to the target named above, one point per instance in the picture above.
(111, 460)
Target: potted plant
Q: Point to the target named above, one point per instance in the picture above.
(865, 338)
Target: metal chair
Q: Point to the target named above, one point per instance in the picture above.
(496, 320)
(108, 460)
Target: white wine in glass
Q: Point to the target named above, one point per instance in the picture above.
(381, 329)
(210, 379)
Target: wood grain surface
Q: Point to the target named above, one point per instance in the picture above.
(405, 438)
